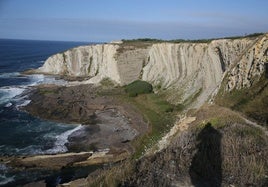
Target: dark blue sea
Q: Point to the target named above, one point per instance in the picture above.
(21, 133)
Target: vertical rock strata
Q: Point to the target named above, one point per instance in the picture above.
(184, 69)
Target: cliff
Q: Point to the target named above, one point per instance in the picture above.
(186, 71)
(213, 145)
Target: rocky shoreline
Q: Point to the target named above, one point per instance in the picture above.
(107, 122)
(108, 126)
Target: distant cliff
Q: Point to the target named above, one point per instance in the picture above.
(183, 70)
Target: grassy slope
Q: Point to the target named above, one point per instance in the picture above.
(253, 101)
(243, 147)
(237, 149)
(160, 116)
(158, 113)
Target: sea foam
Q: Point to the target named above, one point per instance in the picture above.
(4, 179)
(9, 75)
(61, 140)
(7, 93)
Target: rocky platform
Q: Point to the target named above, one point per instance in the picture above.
(107, 122)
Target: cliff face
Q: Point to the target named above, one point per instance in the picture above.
(192, 70)
(250, 65)
(186, 70)
(95, 61)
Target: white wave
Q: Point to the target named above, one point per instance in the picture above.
(3, 167)
(24, 103)
(7, 93)
(11, 93)
(37, 79)
(8, 105)
(53, 80)
(5, 180)
(9, 75)
(29, 150)
(61, 140)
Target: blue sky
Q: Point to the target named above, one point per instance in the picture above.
(106, 20)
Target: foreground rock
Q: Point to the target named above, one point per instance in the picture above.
(49, 161)
(59, 161)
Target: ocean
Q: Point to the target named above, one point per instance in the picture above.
(21, 133)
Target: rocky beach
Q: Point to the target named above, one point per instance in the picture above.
(107, 122)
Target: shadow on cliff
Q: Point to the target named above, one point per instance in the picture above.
(205, 169)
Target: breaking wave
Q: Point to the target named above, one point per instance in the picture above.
(61, 140)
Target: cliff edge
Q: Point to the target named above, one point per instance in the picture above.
(185, 71)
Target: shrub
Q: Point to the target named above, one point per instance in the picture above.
(138, 87)
(106, 82)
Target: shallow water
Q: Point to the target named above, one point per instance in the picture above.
(21, 133)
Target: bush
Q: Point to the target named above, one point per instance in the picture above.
(106, 82)
(138, 87)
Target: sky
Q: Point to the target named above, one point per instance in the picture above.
(107, 20)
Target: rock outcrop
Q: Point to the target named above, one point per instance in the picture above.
(250, 65)
(95, 61)
(185, 70)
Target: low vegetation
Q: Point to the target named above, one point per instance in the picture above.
(218, 137)
(138, 87)
(159, 114)
(143, 40)
(219, 149)
(243, 147)
(251, 101)
(153, 40)
(107, 83)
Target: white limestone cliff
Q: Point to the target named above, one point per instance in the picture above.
(250, 65)
(185, 70)
(95, 61)
(192, 69)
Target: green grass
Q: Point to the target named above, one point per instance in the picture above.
(208, 40)
(107, 82)
(243, 147)
(215, 122)
(138, 87)
(249, 131)
(143, 40)
(252, 101)
(158, 113)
